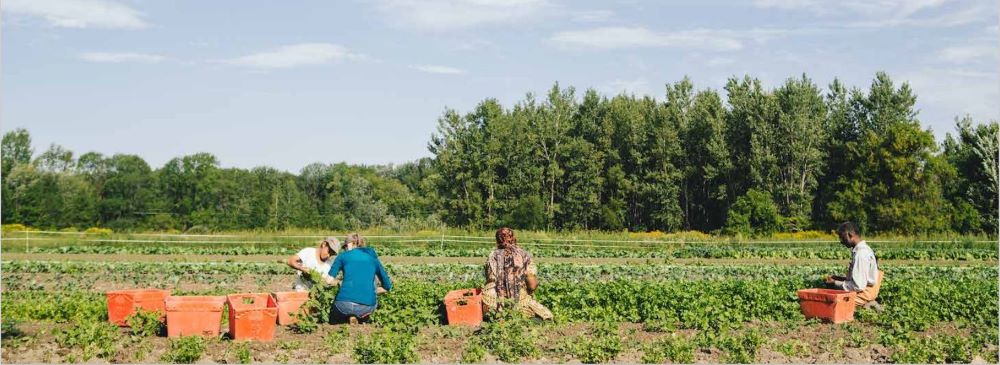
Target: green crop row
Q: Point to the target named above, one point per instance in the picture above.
(826, 252)
(136, 271)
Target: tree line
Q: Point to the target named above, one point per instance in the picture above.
(747, 160)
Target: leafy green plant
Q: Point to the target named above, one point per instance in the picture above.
(145, 323)
(508, 336)
(474, 352)
(386, 347)
(100, 339)
(185, 350)
(337, 340)
(793, 348)
(602, 345)
(242, 352)
(741, 349)
(677, 349)
(316, 310)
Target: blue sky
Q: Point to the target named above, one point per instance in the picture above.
(288, 83)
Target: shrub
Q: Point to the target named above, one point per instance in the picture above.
(98, 231)
(603, 344)
(145, 324)
(14, 227)
(474, 352)
(91, 338)
(508, 338)
(753, 214)
(385, 347)
(679, 350)
(317, 309)
(741, 349)
(185, 350)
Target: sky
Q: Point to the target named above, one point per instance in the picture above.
(288, 83)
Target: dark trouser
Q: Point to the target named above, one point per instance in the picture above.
(344, 310)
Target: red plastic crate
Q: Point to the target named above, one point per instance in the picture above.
(464, 307)
(289, 303)
(252, 316)
(124, 303)
(194, 315)
(836, 306)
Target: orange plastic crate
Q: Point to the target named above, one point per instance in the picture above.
(289, 303)
(194, 315)
(836, 306)
(464, 307)
(252, 316)
(124, 303)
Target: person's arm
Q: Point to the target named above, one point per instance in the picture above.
(383, 276)
(531, 276)
(296, 263)
(336, 267)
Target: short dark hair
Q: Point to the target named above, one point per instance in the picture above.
(848, 227)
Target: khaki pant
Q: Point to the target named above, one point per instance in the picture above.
(870, 293)
(527, 304)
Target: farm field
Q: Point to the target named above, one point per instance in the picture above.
(714, 301)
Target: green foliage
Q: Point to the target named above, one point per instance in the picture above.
(185, 350)
(741, 349)
(677, 349)
(386, 347)
(145, 324)
(242, 352)
(601, 346)
(91, 339)
(474, 352)
(337, 340)
(508, 336)
(317, 310)
(754, 214)
(793, 348)
(933, 350)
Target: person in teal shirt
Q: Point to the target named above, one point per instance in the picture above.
(360, 265)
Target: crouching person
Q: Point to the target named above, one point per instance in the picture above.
(863, 276)
(511, 278)
(360, 265)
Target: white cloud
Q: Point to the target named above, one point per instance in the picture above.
(120, 57)
(977, 53)
(720, 61)
(890, 13)
(638, 37)
(444, 15)
(78, 13)
(638, 86)
(296, 55)
(593, 16)
(955, 92)
(437, 69)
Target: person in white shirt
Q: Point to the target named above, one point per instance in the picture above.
(863, 276)
(314, 259)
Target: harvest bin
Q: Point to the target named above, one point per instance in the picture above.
(252, 316)
(464, 307)
(836, 306)
(194, 315)
(124, 303)
(289, 303)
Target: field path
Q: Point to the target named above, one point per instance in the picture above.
(416, 260)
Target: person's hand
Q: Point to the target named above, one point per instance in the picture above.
(380, 290)
(330, 281)
(829, 280)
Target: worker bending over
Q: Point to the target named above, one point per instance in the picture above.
(511, 278)
(863, 276)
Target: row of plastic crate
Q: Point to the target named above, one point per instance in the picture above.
(252, 316)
